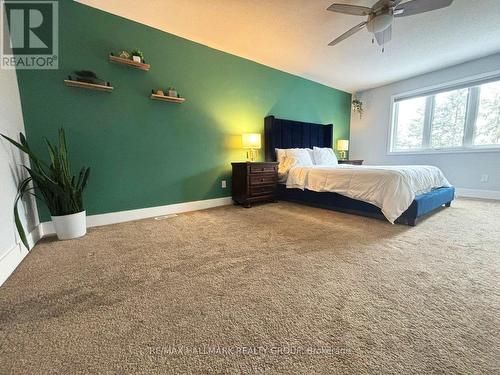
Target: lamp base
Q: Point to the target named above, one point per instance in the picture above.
(251, 155)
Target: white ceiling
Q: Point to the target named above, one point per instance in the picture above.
(293, 35)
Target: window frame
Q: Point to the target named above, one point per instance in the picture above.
(470, 118)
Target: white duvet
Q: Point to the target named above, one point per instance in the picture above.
(391, 188)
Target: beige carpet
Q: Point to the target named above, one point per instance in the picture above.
(279, 288)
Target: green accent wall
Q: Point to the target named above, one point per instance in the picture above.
(146, 153)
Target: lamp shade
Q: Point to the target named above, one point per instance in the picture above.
(250, 140)
(342, 145)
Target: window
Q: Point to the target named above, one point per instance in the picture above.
(410, 124)
(448, 119)
(487, 130)
(466, 117)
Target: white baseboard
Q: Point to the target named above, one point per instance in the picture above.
(13, 257)
(144, 213)
(477, 193)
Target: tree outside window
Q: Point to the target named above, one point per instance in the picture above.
(463, 118)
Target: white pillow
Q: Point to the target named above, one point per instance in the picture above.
(294, 157)
(281, 153)
(311, 154)
(324, 156)
(299, 157)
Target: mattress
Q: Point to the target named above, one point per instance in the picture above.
(391, 188)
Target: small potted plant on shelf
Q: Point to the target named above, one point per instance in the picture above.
(123, 55)
(172, 92)
(137, 55)
(88, 76)
(54, 184)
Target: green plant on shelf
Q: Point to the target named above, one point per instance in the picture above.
(138, 53)
(124, 55)
(173, 92)
(88, 76)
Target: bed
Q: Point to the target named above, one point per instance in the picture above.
(286, 134)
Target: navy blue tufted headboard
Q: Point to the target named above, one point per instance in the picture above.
(280, 133)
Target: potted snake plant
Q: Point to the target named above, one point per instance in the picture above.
(54, 184)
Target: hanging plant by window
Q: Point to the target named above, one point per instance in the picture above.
(357, 106)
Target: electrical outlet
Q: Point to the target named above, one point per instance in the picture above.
(484, 178)
(223, 184)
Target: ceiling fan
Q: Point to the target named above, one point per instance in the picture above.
(381, 16)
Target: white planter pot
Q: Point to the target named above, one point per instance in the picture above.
(70, 226)
(137, 59)
(172, 93)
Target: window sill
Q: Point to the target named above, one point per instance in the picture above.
(469, 150)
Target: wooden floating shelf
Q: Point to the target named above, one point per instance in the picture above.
(89, 86)
(130, 63)
(166, 98)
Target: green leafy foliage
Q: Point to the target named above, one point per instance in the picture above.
(410, 123)
(136, 52)
(357, 106)
(488, 117)
(448, 120)
(53, 183)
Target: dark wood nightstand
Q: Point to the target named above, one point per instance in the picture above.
(254, 182)
(353, 162)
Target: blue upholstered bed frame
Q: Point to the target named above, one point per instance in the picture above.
(280, 133)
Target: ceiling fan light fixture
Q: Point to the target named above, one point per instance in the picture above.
(379, 23)
(381, 15)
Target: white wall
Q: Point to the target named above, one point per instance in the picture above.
(11, 123)
(369, 135)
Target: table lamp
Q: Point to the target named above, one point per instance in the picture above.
(342, 148)
(251, 141)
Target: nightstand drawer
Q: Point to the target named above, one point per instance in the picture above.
(254, 182)
(260, 169)
(263, 179)
(262, 190)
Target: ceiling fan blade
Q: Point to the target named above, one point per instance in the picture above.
(349, 9)
(380, 4)
(384, 36)
(347, 34)
(420, 6)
